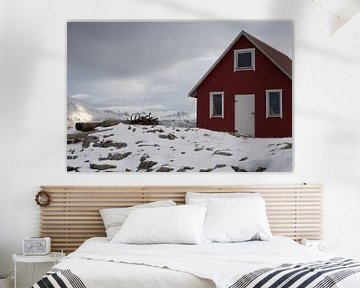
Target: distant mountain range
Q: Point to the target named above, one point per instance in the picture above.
(80, 112)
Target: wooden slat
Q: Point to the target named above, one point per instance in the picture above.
(73, 216)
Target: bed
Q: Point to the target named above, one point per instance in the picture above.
(294, 211)
(99, 263)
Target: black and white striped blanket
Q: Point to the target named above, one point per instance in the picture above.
(59, 278)
(320, 274)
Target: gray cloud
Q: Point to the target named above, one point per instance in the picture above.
(116, 64)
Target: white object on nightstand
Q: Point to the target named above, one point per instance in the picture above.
(320, 245)
(53, 257)
(36, 246)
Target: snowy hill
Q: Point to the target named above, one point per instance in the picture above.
(79, 112)
(168, 149)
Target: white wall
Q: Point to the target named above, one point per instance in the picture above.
(33, 108)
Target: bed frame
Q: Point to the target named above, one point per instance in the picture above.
(73, 215)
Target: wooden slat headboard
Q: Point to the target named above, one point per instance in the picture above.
(73, 215)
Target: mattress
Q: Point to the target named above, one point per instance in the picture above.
(99, 263)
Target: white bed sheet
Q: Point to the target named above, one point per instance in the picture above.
(100, 263)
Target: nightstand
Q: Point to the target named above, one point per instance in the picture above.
(320, 245)
(52, 257)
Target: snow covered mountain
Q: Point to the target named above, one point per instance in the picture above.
(80, 112)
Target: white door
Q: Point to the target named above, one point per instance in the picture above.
(245, 114)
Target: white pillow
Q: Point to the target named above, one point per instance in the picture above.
(113, 218)
(236, 220)
(180, 224)
(204, 198)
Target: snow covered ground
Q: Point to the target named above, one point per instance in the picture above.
(162, 148)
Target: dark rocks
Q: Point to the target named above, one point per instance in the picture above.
(110, 122)
(115, 156)
(155, 130)
(72, 157)
(218, 152)
(149, 145)
(219, 166)
(138, 142)
(165, 168)
(104, 144)
(260, 169)
(118, 156)
(72, 169)
(119, 145)
(168, 136)
(88, 140)
(146, 165)
(286, 146)
(144, 157)
(73, 139)
(185, 168)
(77, 137)
(90, 126)
(86, 126)
(199, 148)
(238, 169)
(243, 159)
(206, 170)
(171, 136)
(102, 166)
(108, 135)
(110, 143)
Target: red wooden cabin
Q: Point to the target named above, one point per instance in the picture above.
(248, 90)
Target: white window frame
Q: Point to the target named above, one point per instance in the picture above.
(268, 102)
(211, 104)
(239, 51)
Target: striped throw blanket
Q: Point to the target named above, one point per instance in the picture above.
(59, 278)
(320, 274)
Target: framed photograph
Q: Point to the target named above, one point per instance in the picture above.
(179, 96)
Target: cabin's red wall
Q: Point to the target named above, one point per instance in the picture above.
(266, 76)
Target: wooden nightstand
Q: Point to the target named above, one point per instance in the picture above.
(53, 257)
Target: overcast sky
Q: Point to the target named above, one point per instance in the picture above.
(153, 64)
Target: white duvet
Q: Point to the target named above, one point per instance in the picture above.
(100, 263)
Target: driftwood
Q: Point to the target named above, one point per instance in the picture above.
(134, 120)
(143, 120)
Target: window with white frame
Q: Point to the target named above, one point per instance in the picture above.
(244, 59)
(274, 103)
(216, 104)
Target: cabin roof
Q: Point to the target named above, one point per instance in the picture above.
(283, 62)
